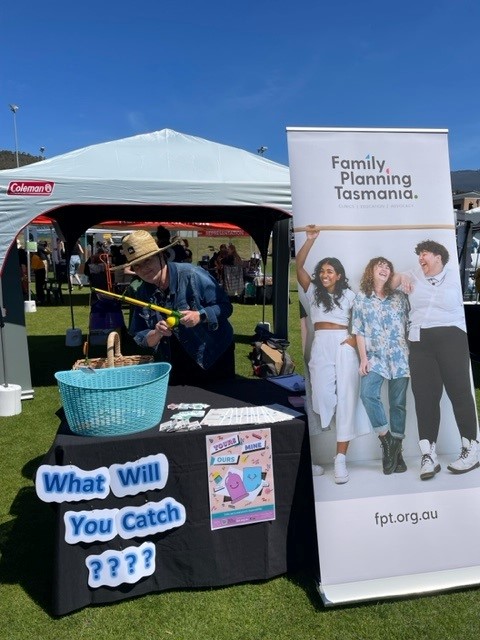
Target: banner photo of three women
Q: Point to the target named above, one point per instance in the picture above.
(386, 352)
(385, 342)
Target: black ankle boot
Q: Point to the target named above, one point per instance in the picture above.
(401, 465)
(392, 448)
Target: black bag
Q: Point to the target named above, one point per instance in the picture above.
(269, 357)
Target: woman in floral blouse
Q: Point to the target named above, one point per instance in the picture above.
(379, 320)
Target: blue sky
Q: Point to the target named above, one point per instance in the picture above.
(237, 73)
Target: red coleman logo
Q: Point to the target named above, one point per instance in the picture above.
(30, 188)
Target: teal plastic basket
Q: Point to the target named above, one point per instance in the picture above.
(115, 401)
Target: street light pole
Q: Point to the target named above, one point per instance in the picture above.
(14, 109)
(28, 304)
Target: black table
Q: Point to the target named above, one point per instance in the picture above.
(192, 555)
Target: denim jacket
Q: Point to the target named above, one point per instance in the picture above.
(193, 288)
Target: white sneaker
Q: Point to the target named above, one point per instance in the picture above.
(429, 465)
(340, 466)
(317, 470)
(468, 459)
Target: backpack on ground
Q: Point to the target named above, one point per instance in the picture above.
(269, 357)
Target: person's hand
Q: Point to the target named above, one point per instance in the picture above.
(162, 329)
(190, 318)
(312, 232)
(364, 367)
(406, 284)
(350, 340)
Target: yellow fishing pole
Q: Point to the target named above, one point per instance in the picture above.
(173, 317)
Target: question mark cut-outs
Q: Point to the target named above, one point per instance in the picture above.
(112, 568)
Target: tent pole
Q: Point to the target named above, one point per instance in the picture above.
(71, 303)
(29, 266)
(264, 291)
(52, 252)
(2, 326)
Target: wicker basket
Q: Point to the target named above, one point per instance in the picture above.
(114, 401)
(114, 357)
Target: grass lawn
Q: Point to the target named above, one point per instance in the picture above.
(283, 608)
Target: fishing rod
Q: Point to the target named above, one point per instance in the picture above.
(173, 317)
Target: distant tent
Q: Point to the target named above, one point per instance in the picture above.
(223, 229)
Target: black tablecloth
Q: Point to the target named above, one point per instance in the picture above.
(192, 555)
(472, 318)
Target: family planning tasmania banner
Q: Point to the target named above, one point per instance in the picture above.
(389, 392)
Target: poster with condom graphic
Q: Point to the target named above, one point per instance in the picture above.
(389, 396)
(240, 478)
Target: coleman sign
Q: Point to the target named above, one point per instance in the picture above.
(30, 188)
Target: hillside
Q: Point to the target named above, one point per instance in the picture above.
(466, 180)
(8, 159)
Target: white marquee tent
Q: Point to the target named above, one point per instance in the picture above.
(159, 176)
(164, 175)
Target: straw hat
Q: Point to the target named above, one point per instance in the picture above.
(138, 246)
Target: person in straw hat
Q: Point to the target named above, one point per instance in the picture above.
(201, 346)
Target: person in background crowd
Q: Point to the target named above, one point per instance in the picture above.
(58, 252)
(201, 347)
(40, 276)
(216, 262)
(96, 268)
(89, 247)
(118, 257)
(232, 258)
(60, 267)
(333, 364)
(379, 320)
(74, 264)
(187, 250)
(107, 242)
(232, 273)
(122, 276)
(23, 262)
(101, 247)
(439, 356)
(174, 251)
(163, 236)
(213, 260)
(44, 253)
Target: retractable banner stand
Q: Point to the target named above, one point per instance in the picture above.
(396, 519)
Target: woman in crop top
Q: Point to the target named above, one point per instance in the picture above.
(333, 364)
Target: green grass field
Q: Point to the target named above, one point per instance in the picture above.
(283, 608)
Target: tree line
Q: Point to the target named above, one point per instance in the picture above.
(8, 159)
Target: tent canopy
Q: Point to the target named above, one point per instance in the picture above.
(163, 175)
